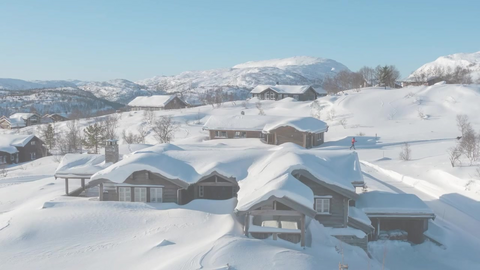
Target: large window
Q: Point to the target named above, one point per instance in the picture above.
(156, 195)
(220, 134)
(124, 194)
(33, 156)
(322, 205)
(140, 194)
(240, 134)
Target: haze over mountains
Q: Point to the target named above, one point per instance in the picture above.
(239, 79)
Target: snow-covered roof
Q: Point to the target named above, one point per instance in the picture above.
(303, 124)
(239, 122)
(359, 215)
(9, 142)
(385, 204)
(22, 115)
(151, 101)
(320, 90)
(281, 89)
(80, 165)
(264, 123)
(260, 173)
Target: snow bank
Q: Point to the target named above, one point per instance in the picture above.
(239, 122)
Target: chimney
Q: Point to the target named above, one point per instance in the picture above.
(276, 83)
(111, 151)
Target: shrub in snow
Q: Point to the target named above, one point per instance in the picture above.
(259, 107)
(343, 122)
(463, 123)
(164, 128)
(360, 134)
(454, 155)
(470, 145)
(331, 114)
(406, 152)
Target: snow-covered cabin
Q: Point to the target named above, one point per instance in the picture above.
(157, 102)
(277, 92)
(20, 148)
(305, 131)
(19, 120)
(54, 117)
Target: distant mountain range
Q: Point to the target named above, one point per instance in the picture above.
(464, 60)
(239, 79)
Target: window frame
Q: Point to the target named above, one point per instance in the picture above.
(242, 134)
(218, 132)
(324, 210)
(156, 189)
(201, 191)
(137, 198)
(123, 198)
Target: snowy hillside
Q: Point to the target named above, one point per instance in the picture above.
(16, 84)
(38, 226)
(463, 60)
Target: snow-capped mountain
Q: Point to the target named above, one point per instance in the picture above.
(16, 84)
(463, 60)
(294, 70)
(118, 90)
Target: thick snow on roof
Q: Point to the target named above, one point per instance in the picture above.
(151, 101)
(22, 115)
(239, 122)
(320, 90)
(359, 215)
(264, 123)
(80, 165)
(304, 124)
(8, 142)
(281, 89)
(387, 204)
(260, 173)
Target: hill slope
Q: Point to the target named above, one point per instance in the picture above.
(463, 60)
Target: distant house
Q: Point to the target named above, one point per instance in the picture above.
(305, 131)
(20, 148)
(19, 120)
(277, 92)
(157, 102)
(54, 117)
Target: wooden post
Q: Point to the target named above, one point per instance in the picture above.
(302, 231)
(132, 194)
(247, 223)
(83, 183)
(100, 191)
(179, 196)
(304, 140)
(66, 186)
(378, 228)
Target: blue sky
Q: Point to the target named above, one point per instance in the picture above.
(101, 40)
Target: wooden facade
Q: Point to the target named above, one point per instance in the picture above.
(234, 134)
(8, 158)
(32, 150)
(211, 187)
(269, 94)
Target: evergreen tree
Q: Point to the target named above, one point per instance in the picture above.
(93, 136)
(47, 134)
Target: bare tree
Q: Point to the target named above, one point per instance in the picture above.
(454, 155)
(110, 125)
(259, 107)
(142, 133)
(316, 109)
(131, 138)
(406, 152)
(72, 137)
(331, 114)
(164, 128)
(470, 145)
(343, 122)
(368, 74)
(463, 123)
(148, 116)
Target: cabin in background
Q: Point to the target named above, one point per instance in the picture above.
(53, 118)
(307, 132)
(277, 92)
(157, 102)
(20, 148)
(19, 120)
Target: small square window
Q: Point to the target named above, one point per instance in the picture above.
(322, 205)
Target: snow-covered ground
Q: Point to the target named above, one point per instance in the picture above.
(40, 227)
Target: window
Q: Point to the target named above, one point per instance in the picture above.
(220, 134)
(201, 191)
(32, 142)
(270, 95)
(12, 157)
(33, 156)
(295, 97)
(156, 195)
(140, 194)
(240, 134)
(124, 194)
(322, 205)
